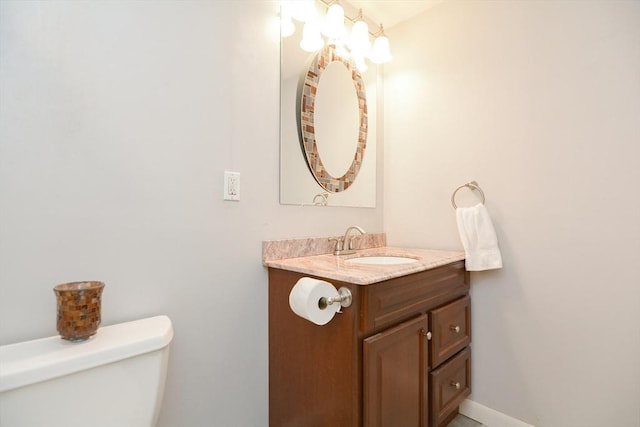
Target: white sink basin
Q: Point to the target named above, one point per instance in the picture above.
(381, 260)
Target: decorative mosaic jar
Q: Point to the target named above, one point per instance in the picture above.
(78, 309)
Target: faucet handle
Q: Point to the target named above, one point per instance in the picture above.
(350, 245)
(339, 244)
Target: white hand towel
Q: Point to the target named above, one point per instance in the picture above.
(478, 238)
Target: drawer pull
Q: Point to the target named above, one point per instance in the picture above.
(455, 384)
(426, 334)
(455, 328)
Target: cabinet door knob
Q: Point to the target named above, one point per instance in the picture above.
(426, 334)
(455, 328)
(455, 384)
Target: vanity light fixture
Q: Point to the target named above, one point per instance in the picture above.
(334, 22)
(357, 45)
(359, 41)
(287, 27)
(381, 53)
(311, 39)
(360, 62)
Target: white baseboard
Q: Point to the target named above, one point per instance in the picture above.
(489, 417)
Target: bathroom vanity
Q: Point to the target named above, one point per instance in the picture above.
(398, 356)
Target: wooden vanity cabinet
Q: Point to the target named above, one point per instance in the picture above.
(397, 357)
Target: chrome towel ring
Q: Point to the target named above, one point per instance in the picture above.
(472, 185)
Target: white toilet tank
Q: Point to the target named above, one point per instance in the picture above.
(115, 379)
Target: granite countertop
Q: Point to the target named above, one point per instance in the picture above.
(334, 267)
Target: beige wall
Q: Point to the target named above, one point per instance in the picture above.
(539, 101)
(117, 120)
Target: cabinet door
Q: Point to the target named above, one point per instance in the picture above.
(395, 376)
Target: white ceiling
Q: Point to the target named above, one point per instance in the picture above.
(392, 12)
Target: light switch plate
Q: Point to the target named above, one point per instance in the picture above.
(231, 185)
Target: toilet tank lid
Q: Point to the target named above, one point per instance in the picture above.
(43, 359)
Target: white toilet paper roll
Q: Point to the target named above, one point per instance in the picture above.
(305, 297)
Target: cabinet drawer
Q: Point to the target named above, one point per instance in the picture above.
(397, 300)
(451, 329)
(450, 384)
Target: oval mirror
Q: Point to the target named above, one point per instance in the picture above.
(333, 139)
(336, 123)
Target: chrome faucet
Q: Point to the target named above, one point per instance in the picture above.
(344, 245)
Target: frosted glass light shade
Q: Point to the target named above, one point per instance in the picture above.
(360, 63)
(341, 50)
(311, 39)
(287, 27)
(381, 52)
(359, 42)
(334, 22)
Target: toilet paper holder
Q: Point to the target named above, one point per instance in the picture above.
(344, 297)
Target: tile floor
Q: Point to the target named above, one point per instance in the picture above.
(462, 421)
